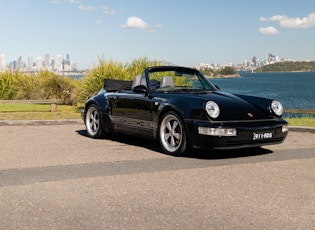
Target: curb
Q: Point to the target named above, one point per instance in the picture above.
(80, 121)
(40, 122)
(301, 129)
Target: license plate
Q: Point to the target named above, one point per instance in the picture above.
(262, 135)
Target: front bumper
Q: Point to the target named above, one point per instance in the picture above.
(247, 133)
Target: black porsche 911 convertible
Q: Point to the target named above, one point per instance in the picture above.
(182, 109)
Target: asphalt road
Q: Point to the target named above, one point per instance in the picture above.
(54, 177)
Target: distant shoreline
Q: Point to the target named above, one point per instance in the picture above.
(293, 71)
(303, 66)
(223, 76)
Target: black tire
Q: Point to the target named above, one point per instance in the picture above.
(172, 134)
(93, 122)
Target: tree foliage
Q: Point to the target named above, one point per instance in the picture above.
(44, 85)
(228, 70)
(15, 85)
(288, 67)
(108, 69)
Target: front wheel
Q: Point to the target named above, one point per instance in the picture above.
(172, 134)
(93, 122)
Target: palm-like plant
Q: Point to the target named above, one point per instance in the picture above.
(7, 81)
(94, 81)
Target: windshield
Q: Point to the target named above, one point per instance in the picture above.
(178, 80)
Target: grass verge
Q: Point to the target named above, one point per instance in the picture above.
(42, 112)
(37, 112)
(304, 121)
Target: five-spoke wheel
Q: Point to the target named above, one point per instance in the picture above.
(93, 122)
(172, 134)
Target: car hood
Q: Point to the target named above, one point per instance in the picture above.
(232, 107)
(241, 107)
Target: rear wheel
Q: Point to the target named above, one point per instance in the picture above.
(172, 134)
(93, 122)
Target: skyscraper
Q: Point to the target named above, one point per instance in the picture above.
(39, 63)
(66, 63)
(2, 62)
(58, 63)
(30, 63)
(68, 59)
(47, 61)
(19, 63)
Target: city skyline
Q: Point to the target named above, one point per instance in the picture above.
(58, 64)
(64, 64)
(185, 33)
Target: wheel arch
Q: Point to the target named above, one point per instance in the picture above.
(100, 101)
(167, 109)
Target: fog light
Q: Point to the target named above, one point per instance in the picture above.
(217, 131)
(285, 128)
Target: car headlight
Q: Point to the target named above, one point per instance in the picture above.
(212, 109)
(277, 108)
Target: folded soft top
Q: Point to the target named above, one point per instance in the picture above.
(113, 85)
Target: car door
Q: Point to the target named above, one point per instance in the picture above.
(132, 113)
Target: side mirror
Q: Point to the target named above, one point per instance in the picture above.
(140, 89)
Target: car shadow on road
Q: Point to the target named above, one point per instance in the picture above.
(227, 154)
(196, 154)
(130, 140)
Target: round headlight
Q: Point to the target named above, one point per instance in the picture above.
(212, 109)
(277, 108)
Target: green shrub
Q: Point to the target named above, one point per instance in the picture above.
(94, 80)
(53, 86)
(26, 87)
(138, 65)
(44, 85)
(47, 85)
(8, 80)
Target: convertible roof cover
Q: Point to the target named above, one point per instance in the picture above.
(113, 85)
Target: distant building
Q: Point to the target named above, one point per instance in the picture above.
(19, 63)
(66, 63)
(2, 62)
(47, 62)
(58, 64)
(39, 63)
(271, 59)
(30, 65)
(254, 60)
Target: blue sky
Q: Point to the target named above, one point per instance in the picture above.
(185, 32)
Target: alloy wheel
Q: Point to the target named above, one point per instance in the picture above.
(92, 121)
(171, 133)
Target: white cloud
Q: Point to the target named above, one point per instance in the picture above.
(136, 23)
(296, 23)
(139, 23)
(273, 18)
(86, 8)
(107, 10)
(270, 30)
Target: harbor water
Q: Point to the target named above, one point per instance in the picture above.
(295, 90)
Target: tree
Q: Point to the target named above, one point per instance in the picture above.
(228, 70)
